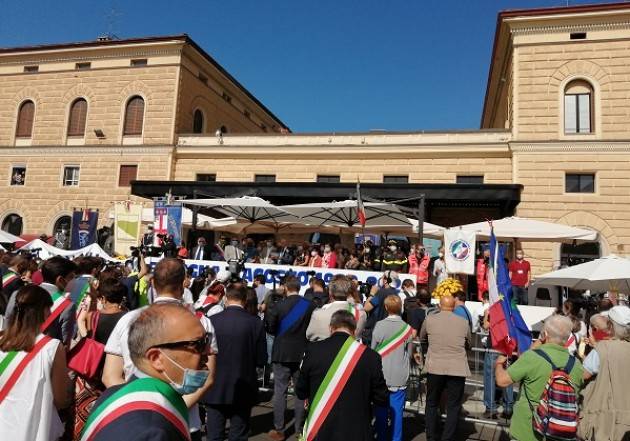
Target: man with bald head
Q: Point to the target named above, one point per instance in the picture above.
(168, 282)
(169, 348)
(532, 370)
(447, 366)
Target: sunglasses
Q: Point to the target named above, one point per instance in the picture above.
(199, 345)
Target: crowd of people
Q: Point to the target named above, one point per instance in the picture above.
(93, 351)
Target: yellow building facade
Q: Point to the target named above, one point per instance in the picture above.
(553, 132)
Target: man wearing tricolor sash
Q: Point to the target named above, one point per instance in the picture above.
(392, 339)
(342, 380)
(57, 272)
(169, 347)
(339, 289)
(12, 279)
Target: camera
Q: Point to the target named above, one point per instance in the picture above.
(364, 289)
(235, 268)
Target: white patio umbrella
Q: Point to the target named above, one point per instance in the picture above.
(610, 273)
(526, 229)
(266, 227)
(248, 208)
(6, 237)
(345, 214)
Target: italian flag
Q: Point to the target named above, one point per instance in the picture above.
(392, 343)
(334, 382)
(141, 394)
(60, 303)
(360, 206)
(8, 278)
(13, 364)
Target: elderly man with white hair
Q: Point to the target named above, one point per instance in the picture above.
(532, 370)
(606, 409)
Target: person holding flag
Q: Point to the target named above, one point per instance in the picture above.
(508, 330)
(392, 339)
(341, 380)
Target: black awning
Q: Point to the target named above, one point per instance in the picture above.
(501, 199)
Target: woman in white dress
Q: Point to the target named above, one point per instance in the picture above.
(34, 380)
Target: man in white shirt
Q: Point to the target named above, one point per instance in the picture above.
(168, 282)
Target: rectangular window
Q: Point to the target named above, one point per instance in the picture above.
(577, 113)
(203, 78)
(330, 179)
(579, 183)
(139, 62)
(395, 179)
(83, 66)
(18, 175)
(31, 69)
(463, 179)
(265, 178)
(577, 36)
(206, 177)
(127, 174)
(71, 175)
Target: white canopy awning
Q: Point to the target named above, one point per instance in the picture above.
(46, 251)
(530, 230)
(345, 214)
(610, 273)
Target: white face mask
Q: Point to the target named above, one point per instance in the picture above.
(314, 253)
(393, 247)
(519, 256)
(441, 255)
(327, 250)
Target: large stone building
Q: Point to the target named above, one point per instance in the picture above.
(86, 119)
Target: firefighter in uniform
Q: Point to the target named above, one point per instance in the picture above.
(392, 259)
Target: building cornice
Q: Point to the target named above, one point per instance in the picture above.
(131, 52)
(85, 150)
(567, 28)
(570, 147)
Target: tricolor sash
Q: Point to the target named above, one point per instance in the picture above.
(293, 316)
(140, 394)
(9, 278)
(13, 364)
(60, 303)
(331, 387)
(354, 310)
(389, 345)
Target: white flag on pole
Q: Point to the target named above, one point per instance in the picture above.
(459, 251)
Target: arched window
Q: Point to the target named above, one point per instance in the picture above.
(198, 121)
(578, 107)
(13, 224)
(61, 231)
(77, 118)
(26, 116)
(134, 116)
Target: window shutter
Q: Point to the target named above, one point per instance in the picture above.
(570, 114)
(584, 106)
(77, 118)
(134, 116)
(127, 174)
(26, 116)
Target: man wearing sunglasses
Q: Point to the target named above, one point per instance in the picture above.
(169, 347)
(168, 283)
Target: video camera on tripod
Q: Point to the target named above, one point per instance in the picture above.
(235, 268)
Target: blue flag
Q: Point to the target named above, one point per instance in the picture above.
(516, 327)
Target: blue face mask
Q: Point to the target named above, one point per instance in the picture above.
(193, 379)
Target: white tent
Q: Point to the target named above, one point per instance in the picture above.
(610, 273)
(46, 251)
(525, 229)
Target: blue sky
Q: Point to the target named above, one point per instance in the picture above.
(325, 65)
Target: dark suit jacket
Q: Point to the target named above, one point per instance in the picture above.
(288, 347)
(206, 253)
(351, 415)
(242, 348)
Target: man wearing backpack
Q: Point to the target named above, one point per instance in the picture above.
(541, 370)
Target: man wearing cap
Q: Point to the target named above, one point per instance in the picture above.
(392, 259)
(606, 409)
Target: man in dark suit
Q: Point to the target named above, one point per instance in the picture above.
(243, 347)
(287, 321)
(201, 251)
(351, 413)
